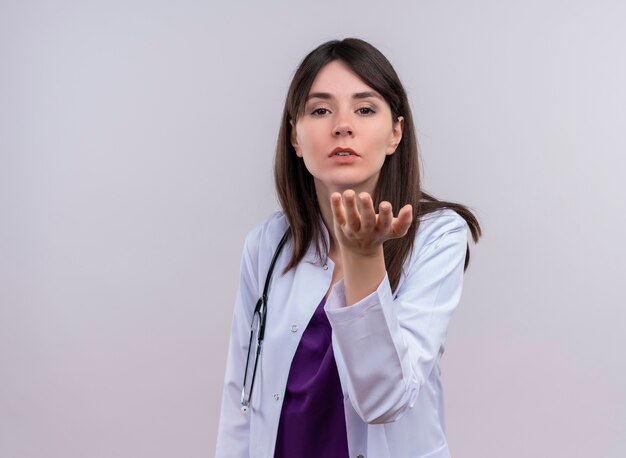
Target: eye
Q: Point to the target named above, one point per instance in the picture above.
(366, 111)
(320, 111)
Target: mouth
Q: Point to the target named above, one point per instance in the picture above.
(343, 152)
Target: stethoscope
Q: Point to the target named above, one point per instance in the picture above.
(258, 328)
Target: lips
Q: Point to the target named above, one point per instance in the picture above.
(341, 149)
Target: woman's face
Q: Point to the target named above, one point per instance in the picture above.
(345, 132)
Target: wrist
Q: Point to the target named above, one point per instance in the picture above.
(362, 254)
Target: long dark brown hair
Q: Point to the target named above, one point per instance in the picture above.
(399, 178)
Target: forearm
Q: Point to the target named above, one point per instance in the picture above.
(362, 273)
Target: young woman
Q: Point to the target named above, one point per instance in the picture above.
(340, 355)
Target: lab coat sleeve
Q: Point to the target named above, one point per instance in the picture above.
(390, 345)
(234, 425)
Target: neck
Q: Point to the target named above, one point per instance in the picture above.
(323, 200)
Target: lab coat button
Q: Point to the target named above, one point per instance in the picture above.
(360, 456)
(326, 268)
(294, 328)
(276, 397)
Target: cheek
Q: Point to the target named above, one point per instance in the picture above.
(381, 136)
(310, 139)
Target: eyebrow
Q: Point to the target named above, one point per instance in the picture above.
(356, 95)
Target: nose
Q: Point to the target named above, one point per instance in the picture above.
(342, 124)
(342, 129)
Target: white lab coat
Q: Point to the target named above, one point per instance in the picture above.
(387, 348)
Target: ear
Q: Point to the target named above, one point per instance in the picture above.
(396, 135)
(294, 139)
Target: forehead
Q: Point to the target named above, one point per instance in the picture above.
(338, 79)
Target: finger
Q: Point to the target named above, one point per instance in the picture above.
(385, 217)
(352, 212)
(337, 208)
(401, 224)
(368, 214)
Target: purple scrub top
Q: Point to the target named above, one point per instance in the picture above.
(312, 421)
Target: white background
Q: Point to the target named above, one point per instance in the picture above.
(136, 149)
